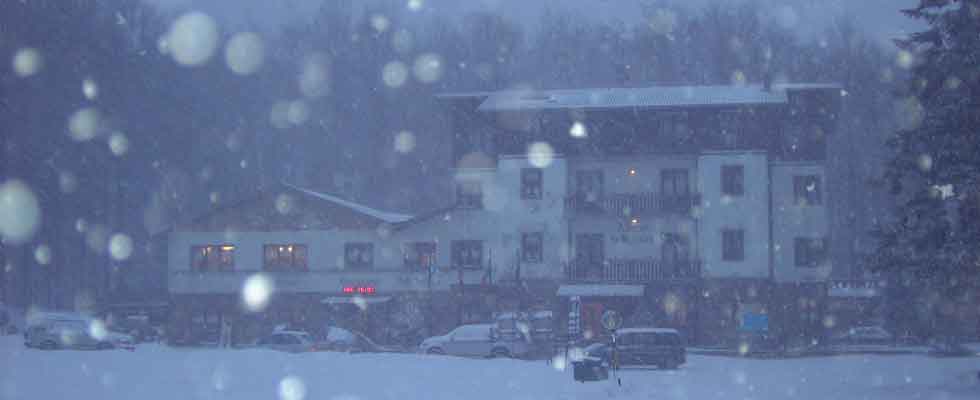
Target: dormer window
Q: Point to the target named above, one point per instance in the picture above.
(469, 194)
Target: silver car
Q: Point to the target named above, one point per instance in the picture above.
(66, 334)
(480, 340)
(288, 341)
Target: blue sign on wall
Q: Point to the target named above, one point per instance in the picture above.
(755, 322)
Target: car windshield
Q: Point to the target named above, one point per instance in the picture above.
(368, 199)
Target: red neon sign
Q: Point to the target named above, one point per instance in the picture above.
(358, 290)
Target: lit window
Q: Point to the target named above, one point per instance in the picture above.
(213, 258)
(286, 257)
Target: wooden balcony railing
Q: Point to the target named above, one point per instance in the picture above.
(627, 204)
(632, 270)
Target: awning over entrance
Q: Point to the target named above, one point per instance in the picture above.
(600, 290)
(355, 299)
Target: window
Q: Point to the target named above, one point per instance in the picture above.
(419, 255)
(467, 253)
(733, 245)
(285, 257)
(675, 248)
(469, 194)
(730, 128)
(674, 126)
(532, 247)
(213, 258)
(674, 182)
(359, 255)
(806, 190)
(531, 183)
(809, 252)
(589, 185)
(732, 180)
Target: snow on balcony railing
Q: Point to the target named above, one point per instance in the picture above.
(632, 270)
(627, 204)
(854, 288)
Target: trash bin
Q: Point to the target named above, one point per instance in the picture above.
(590, 369)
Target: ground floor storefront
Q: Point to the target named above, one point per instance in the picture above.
(710, 312)
(204, 319)
(394, 318)
(716, 312)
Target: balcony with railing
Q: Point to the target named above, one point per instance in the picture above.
(628, 204)
(626, 270)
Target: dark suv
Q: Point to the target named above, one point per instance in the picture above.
(644, 346)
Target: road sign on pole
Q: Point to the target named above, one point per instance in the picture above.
(611, 320)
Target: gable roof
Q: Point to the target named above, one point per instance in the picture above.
(386, 216)
(339, 213)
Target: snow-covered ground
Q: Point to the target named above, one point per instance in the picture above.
(157, 372)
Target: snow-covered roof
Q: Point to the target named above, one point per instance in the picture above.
(653, 96)
(646, 330)
(600, 290)
(389, 217)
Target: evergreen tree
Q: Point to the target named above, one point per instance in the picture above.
(931, 243)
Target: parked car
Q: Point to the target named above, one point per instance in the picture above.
(542, 325)
(478, 340)
(288, 341)
(340, 339)
(643, 346)
(138, 327)
(864, 335)
(72, 332)
(748, 342)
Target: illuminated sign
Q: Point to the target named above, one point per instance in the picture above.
(358, 290)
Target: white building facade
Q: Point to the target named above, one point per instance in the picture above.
(701, 208)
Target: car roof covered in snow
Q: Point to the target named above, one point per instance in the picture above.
(647, 330)
(47, 316)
